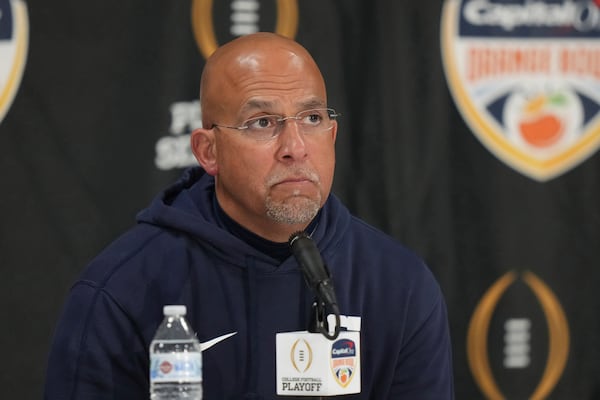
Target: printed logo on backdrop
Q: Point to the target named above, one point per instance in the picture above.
(518, 339)
(214, 23)
(174, 151)
(14, 37)
(525, 75)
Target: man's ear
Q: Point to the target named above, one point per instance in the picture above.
(334, 131)
(204, 148)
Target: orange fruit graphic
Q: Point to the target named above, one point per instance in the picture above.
(542, 130)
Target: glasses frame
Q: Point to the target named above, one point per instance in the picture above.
(280, 121)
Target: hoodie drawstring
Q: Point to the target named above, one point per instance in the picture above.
(252, 313)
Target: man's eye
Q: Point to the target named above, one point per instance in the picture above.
(312, 119)
(261, 123)
(315, 117)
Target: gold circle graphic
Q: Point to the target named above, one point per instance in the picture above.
(204, 32)
(558, 336)
(477, 337)
(558, 329)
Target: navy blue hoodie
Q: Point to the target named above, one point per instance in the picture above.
(179, 253)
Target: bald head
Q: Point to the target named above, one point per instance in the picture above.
(265, 59)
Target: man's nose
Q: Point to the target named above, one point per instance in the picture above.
(291, 139)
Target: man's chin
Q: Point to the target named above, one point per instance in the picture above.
(294, 210)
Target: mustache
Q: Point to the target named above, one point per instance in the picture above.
(293, 173)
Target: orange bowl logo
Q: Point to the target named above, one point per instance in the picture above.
(525, 76)
(343, 361)
(14, 37)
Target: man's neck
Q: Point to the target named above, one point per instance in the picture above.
(278, 249)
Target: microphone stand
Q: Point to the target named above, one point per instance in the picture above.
(317, 277)
(319, 323)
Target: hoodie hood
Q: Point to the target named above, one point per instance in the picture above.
(188, 206)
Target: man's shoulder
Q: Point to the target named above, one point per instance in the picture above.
(367, 235)
(145, 267)
(389, 259)
(139, 253)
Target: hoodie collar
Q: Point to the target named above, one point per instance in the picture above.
(189, 206)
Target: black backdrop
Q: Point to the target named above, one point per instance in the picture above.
(109, 89)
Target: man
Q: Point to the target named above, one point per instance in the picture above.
(217, 242)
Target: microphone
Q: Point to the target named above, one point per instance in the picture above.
(316, 274)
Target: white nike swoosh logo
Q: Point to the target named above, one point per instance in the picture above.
(210, 343)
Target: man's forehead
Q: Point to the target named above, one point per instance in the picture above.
(249, 61)
(259, 104)
(279, 64)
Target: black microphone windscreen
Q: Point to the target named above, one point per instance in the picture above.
(306, 252)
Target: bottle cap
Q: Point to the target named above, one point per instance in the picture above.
(172, 310)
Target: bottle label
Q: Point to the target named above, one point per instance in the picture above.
(176, 367)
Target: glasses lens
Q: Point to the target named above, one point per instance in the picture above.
(315, 120)
(263, 127)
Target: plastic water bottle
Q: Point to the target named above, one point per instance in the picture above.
(175, 359)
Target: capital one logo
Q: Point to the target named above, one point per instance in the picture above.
(518, 338)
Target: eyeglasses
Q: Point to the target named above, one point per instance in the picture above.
(267, 127)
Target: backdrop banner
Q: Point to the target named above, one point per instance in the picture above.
(469, 132)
